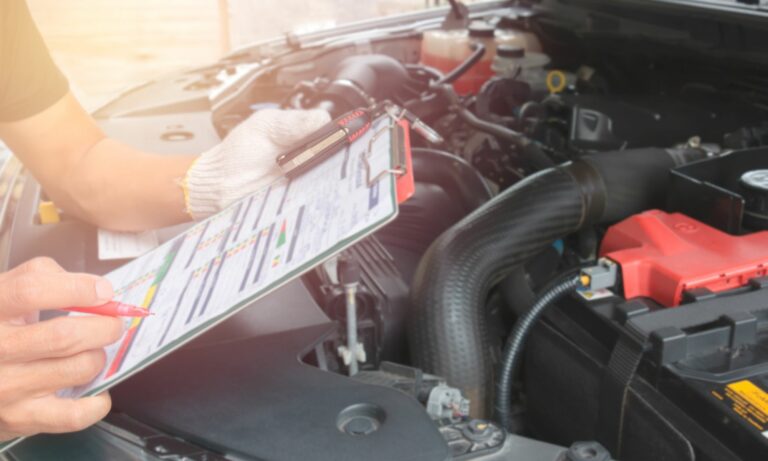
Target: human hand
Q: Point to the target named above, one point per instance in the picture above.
(39, 358)
(245, 161)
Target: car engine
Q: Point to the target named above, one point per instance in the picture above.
(581, 274)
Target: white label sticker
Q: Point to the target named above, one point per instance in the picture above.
(125, 245)
(595, 295)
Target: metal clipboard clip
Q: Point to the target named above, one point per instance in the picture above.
(397, 151)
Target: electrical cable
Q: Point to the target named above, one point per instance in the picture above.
(513, 351)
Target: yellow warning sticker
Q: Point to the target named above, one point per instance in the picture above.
(751, 393)
(748, 401)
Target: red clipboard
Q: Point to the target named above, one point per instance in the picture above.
(405, 184)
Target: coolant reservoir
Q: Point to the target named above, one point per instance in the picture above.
(446, 49)
(514, 61)
(515, 30)
(473, 79)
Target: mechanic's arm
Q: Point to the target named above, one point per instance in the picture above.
(39, 358)
(96, 178)
(118, 187)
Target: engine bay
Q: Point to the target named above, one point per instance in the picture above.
(581, 274)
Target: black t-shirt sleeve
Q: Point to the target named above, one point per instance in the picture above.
(29, 80)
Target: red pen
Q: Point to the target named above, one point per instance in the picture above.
(112, 309)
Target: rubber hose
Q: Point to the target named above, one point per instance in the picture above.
(358, 79)
(517, 292)
(530, 150)
(514, 348)
(448, 331)
(478, 50)
(637, 179)
(453, 174)
(500, 131)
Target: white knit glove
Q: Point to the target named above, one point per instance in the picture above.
(245, 161)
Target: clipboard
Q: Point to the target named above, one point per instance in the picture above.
(225, 263)
(348, 128)
(402, 160)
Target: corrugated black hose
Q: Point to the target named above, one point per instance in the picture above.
(513, 351)
(448, 328)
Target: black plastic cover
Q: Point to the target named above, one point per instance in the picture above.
(710, 190)
(254, 398)
(600, 123)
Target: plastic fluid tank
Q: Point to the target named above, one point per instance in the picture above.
(519, 26)
(446, 49)
(513, 61)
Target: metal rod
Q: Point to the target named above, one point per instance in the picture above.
(351, 293)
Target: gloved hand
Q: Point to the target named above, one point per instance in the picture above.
(245, 161)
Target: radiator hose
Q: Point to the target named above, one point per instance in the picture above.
(448, 329)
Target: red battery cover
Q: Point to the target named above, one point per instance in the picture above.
(663, 255)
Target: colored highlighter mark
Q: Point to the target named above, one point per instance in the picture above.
(282, 238)
(149, 298)
(217, 237)
(136, 283)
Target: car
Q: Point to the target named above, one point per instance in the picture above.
(581, 273)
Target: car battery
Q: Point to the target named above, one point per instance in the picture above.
(678, 370)
(693, 379)
(734, 409)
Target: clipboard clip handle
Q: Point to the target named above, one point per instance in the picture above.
(398, 153)
(400, 124)
(416, 124)
(401, 161)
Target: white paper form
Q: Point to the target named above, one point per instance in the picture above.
(125, 245)
(220, 265)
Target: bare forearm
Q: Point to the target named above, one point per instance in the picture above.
(118, 187)
(96, 178)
